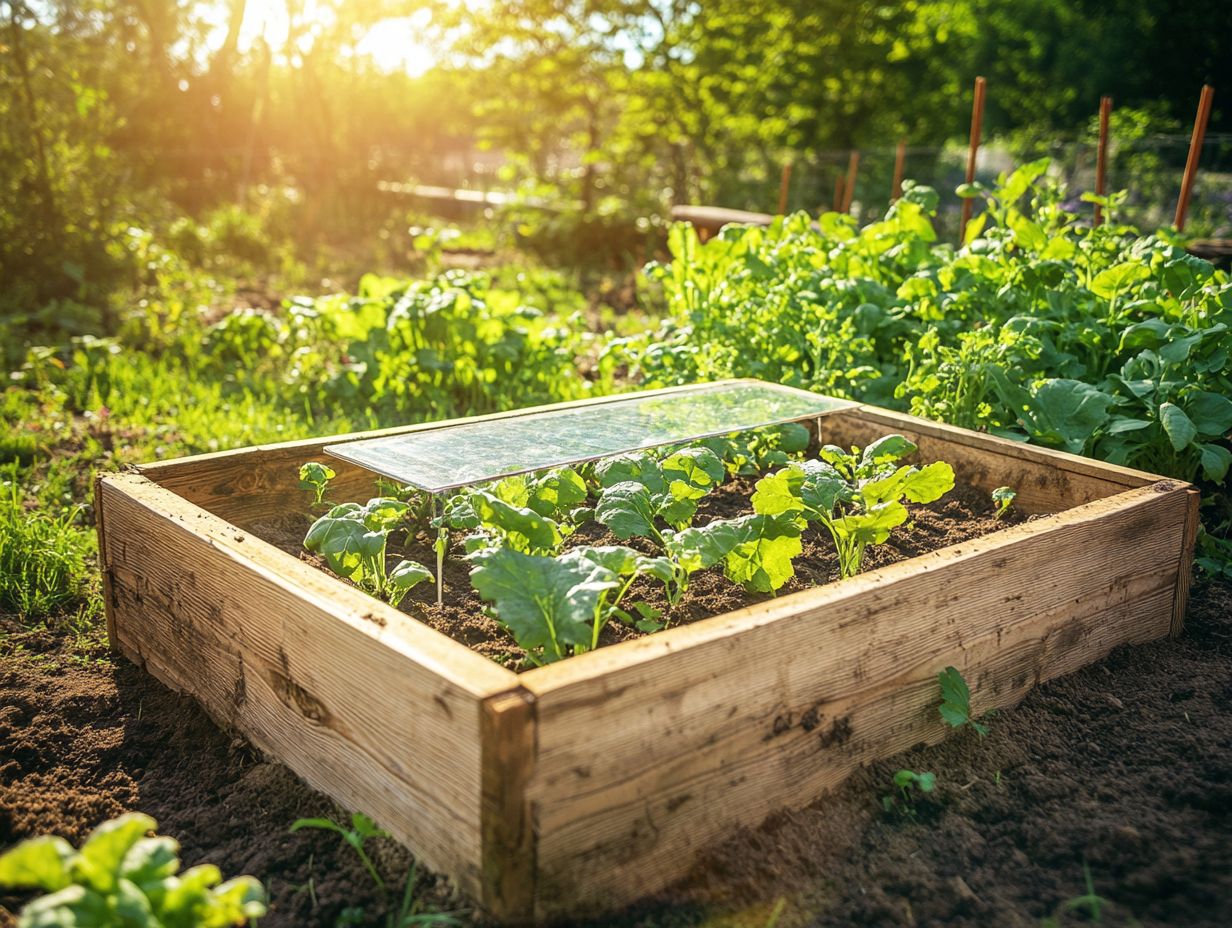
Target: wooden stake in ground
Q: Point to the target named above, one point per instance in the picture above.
(1101, 155)
(900, 162)
(838, 193)
(1195, 152)
(784, 185)
(977, 123)
(849, 189)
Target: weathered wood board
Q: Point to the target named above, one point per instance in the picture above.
(585, 784)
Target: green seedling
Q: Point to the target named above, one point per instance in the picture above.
(955, 705)
(122, 876)
(1003, 498)
(408, 909)
(909, 785)
(353, 540)
(558, 606)
(856, 496)
(315, 477)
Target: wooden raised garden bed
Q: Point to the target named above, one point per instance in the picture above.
(584, 784)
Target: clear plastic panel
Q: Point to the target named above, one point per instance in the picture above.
(451, 456)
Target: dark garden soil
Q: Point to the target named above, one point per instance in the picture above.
(964, 513)
(1124, 767)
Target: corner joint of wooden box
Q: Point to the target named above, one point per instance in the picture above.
(1185, 567)
(509, 866)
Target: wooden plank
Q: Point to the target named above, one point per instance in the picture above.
(108, 608)
(1185, 572)
(509, 871)
(1046, 480)
(364, 703)
(650, 750)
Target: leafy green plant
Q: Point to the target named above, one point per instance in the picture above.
(1003, 498)
(315, 477)
(908, 786)
(557, 606)
(639, 491)
(955, 705)
(1039, 327)
(756, 550)
(855, 496)
(407, 910)
(353, 540)
(123, 877)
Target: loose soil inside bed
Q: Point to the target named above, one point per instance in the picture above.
(962, 514)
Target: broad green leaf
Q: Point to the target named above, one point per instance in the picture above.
(626, 508)
(887, 449)
(761, 559)
(524, 529)
(405, 576)
(1178, 426)
(620, 560)
(823, 487)
(557, 492)
(634, 468)
(693, 472)
(1210, 413)
(383, 515)
(779, 492)
(1215, 461)
(242, 898)
(339, 537)
(1113, 281)
(542, 599)
(699, 548)
(98, 863)
(151, 859)
(37, 863)
(873, 527)
(72, 907)
(929, 483)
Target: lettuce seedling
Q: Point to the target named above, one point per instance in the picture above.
(120, 876)
(557, 606)
(353, 539)
(315, 477)
(756, 551)
(909, 783)
(639, 490)
(492, 521)
(1003, 498)
(856, 496)
(955, 706)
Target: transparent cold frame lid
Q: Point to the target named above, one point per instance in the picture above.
(451, 456)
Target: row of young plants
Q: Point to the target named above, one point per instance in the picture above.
(1099, 341)
(555, 599)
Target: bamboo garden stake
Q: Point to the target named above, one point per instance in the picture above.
(1101, 156)
(977, 122)
(1195, 152)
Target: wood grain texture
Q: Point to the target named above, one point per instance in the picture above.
(651, 750)
(1046, 480)
(1185, 571)
(364, 703)
(509, 870)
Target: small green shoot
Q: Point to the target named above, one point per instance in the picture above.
(362, 828)
(1003, 498)
(315, 477)
(910, 785)
(408, 910)
(1091, 901)
(956, 701)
